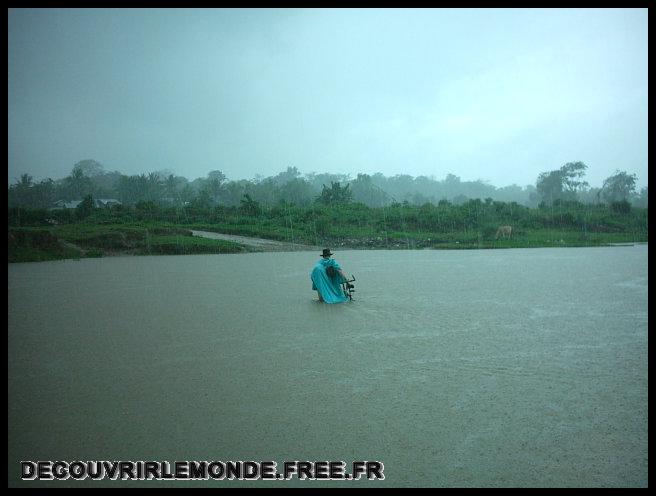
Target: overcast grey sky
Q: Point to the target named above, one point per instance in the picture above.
(499, 95)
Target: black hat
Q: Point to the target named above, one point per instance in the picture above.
(326, 252)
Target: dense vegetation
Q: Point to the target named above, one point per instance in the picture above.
(332, 217)
(89, 178)
(150, 228)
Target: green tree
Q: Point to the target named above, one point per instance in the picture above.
(561, 184)
(85, 207)
(234, 191)
(125, 188)
(44, 194)
(89, 167)
(250, 206)
(291, 174)
(618, 187)
(640, 199)
(154, 187)
(77, 185)
(186, 194)
(335, 194)
(133, 189)
(105, 184)
(201, 202)
(216, 175)
(170, 186)
(297, 191)
(365, 191)
(572, 172)
(319, 180)
(215, 185)
(21, 193)
(25, 182)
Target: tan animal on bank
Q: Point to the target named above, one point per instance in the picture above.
(504, 231)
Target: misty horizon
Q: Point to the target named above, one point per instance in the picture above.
(164, 173)
(491, 95)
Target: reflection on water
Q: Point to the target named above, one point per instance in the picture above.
(454, 368)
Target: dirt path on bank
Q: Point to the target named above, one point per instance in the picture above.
(257, 244)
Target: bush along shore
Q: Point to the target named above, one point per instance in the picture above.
(35, 244)
(150, 229)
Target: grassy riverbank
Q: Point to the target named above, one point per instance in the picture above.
(36, 235)
(35, 244)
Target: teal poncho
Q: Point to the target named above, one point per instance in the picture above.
(329, 287)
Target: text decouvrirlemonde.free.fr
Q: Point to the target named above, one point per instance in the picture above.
(194, 470)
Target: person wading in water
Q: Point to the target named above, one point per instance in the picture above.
(326, 278)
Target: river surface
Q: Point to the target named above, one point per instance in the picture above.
(516, 367)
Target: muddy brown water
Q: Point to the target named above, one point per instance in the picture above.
(519, 367)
